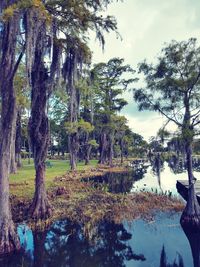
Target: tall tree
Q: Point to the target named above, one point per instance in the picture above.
(42, 81)
(172, 88)
(8, 66)
(77, 54)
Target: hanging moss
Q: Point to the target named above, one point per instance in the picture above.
(9, 12)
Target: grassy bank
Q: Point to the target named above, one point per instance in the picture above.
(80, 201)
(22, 183)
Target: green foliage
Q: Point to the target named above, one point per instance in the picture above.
(24, 4)
(22, 89)
(85, 126)
(163, 134)
(93, 143)
(173, 85)
(108, 79)
(81, 126)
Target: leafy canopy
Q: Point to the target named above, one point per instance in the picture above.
(173, 84)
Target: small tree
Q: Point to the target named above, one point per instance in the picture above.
(172, 89)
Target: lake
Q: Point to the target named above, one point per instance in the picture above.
(157, 243)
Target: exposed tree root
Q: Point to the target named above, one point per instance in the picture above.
(9, 241)
(191, 222)
(40, 208)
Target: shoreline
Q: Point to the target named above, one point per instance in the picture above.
(78, 201)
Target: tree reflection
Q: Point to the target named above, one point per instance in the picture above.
(39, 239)
(178, 262)
(16, 260)
(177, 164)
(66, 245)
(194, 240)
(118, 182)
(157, 167)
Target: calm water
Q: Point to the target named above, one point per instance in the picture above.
(151, 178)
(159, 243)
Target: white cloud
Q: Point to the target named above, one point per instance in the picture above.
(146, 127)
(149, 126)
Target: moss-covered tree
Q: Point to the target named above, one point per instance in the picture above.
(9, 28)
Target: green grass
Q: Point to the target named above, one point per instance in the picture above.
(22, 183)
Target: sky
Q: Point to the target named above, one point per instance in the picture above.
(145, 26)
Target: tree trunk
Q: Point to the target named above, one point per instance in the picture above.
(87, 149)
(121, 151)
(103, 150)
(73, 150)
(13, 165)
(70, 67)
(39, 129)
(18, 140)
(88, 152)
(29, 151)
(191, 214)
(111, 150)
(9, 241)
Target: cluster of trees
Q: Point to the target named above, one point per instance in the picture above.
(49, 91)
(96, 128)
(43, 46)
(98, 131)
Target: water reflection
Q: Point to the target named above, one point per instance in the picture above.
(117, 182)
(157, 167)
(110, 247)
(178, 164)
(178, 262)
(161, 243)
(66, 245)
(159, 177)
(194, 240)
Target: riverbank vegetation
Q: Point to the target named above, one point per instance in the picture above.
(74, 196)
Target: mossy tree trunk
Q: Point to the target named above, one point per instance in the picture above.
(9, 241)
(39, 129)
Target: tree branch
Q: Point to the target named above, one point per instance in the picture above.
(163, 113)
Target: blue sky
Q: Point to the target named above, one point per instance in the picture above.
(145, 25)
